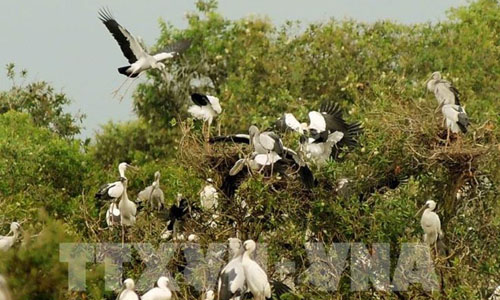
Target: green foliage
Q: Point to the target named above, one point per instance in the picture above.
(39, 99)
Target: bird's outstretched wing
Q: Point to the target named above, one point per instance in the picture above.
(334, 122)
(236, 138)
(127, 42)
(177, 48)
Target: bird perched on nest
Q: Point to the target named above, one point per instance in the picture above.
(140, 60)
(209, 197)
(153, 195)
(326, 133)
(205, 107)
(4, 289)
(161, 292)
(6, 242)
(267, 152)
(456, 119)
(443, 90)
(431, 224)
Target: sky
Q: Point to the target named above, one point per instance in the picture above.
(63, 42)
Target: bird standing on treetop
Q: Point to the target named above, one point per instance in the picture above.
(138, 58)
(444, 91)
(456, 119)
(114, 190)
(205, 108)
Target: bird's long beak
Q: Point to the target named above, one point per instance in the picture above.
(421, 209)
(133, 168)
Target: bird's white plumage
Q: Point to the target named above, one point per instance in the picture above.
(162, 292)
(214, 102)
(256, 277)
(6, 242)
(112, 215)
(210, 295)
(4, 289)
(317, 121)
(451, 113)
(266, 159)
(442, 89)
(128, 209)
(319, 153)
(128, 293)
(496, 294)
(431, 224)
(233, 268)
(294, 124)
(209, 197)
(153, 195)
(205, 113)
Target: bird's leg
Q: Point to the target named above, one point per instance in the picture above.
(123, 235)
(447, 137)
(128, 87)
(115, 92)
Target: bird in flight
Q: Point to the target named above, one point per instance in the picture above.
(139, 59)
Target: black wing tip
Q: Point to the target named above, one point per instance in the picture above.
(105, 14)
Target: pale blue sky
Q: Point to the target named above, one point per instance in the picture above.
(64, 43)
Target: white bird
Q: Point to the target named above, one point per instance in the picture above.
(496, 294)
(128, 210)
(205, 107)
(139, 59)
(326, 133)
(114, 190)
(210, 295)
(113, 215)
(444, 91)
(153, 195)
(162, 292)
(6, 242)
(255, 162)
(209, 197)
(128, 292)
(231, 283)
(431, 224)
(256, 277)
(456, 118)
(4, 289)
(265, 142)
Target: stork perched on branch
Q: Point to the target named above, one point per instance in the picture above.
(325, 135)
(140, 60)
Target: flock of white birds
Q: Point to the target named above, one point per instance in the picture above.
(320, 140)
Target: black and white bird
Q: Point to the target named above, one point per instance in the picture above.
(128, 293)
(4, 289)
(161, 292)
(205, 107)
(267, 152)
(255, 277)
(113, 216)
(231, 283)
(140, 60)
(444, 91)
(456, 119)
(431, 224)
(176, 214)
(114, 190)
(325, 135)
(6, 242)
(496, 294)
(153, 194)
